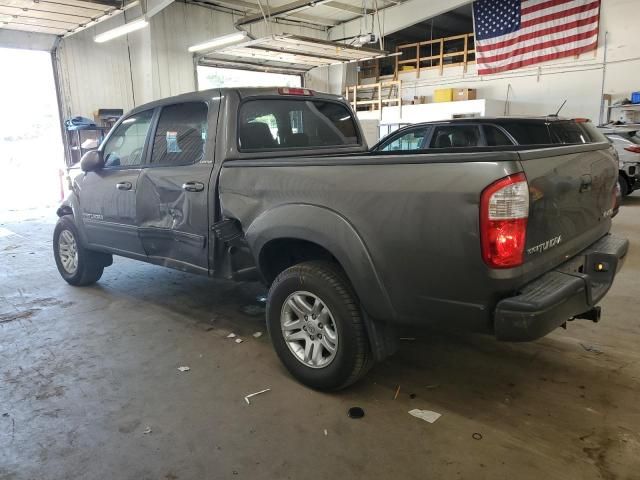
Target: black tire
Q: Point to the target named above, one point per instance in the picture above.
(353, 356)
(90, 265)
(625, 189)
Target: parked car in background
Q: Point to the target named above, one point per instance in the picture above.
(626, 141)
(278, 185)
(513, 131)
(490, 132)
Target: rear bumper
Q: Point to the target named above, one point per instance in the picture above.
(561, 294)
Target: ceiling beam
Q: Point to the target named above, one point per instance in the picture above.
(399, 16)
(253, 7)
(282, 11)
(344, 7)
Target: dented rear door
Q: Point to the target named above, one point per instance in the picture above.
(173, 200)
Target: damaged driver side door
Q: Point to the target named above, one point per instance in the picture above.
(173, 188)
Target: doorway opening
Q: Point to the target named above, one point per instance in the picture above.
(31, 149)
(216, 77)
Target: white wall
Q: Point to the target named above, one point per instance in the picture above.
(94, 75)
(148, 64)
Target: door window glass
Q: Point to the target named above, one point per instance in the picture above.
(571, 131)
(126, 145)
(496, 137)
(181, 134)
(408, 141)
(455, 136)
(528, 133)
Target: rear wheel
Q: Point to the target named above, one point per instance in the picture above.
(625, 189)
(316, 326)
(77, 265)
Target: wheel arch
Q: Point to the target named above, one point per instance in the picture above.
(71, 206)
(304, 232)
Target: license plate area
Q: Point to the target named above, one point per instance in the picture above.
(575, 265)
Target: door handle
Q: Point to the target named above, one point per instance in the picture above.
(193, 186)
(124, 186)
(585, 183)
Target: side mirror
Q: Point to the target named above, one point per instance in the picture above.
(91, 161)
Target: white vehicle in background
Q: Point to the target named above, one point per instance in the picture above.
(626, 141)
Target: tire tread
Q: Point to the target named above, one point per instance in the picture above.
(337, 280)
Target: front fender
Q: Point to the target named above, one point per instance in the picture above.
(71, 206)
(334, 233)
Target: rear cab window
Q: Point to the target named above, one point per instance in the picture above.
(281, 124)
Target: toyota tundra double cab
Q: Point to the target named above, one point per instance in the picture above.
(278, 185)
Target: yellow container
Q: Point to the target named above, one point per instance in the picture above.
(443, 95)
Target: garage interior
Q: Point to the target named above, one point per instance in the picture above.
(91, 379)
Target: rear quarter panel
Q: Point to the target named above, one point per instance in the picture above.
(417, 217)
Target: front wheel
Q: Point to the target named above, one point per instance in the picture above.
(77, 265)
(316, 326)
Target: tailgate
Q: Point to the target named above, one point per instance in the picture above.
(571, 200)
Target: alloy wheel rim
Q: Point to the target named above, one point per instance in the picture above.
(309, 329)
(68, 251)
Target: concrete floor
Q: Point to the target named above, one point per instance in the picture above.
(85, 372)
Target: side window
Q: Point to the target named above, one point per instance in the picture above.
(412, 140)
(181, 134)
(126, 145)
(528, 133)
(575, 131)
(455, 136)
(496, 137)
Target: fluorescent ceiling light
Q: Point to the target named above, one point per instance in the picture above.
(219, 41)
(121, 30)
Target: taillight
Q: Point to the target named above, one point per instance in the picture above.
(633, 148)
(504, 210)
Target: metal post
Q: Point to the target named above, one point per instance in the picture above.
(604, 73)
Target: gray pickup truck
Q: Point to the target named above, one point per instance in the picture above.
(278, 185)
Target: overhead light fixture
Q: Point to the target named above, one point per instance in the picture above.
(219, 41)
(121, 30)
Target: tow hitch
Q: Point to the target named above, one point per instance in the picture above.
(592, 314)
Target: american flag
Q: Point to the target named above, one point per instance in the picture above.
(515, 33)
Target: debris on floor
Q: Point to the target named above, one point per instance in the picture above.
(257, 335)
(355, 412)
(592, 349)
(246, 399)
(477, 436)
(231, 335)
(412, 396)
(325, 432)
(435, 385)
(239, 340)
(426, 415)
(147, 431)
(397, 393)
(184, 369)
(253, 310)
